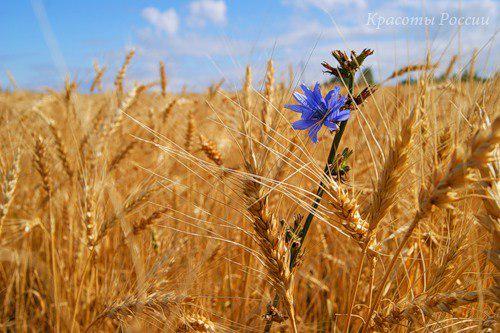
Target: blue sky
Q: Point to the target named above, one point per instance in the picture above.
(202, 41)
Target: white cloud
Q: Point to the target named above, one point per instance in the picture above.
(202, 11)
(167, 21)
(326, 4)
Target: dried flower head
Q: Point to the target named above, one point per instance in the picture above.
(347, 65)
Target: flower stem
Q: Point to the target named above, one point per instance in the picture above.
(321, 187)
(319, 194)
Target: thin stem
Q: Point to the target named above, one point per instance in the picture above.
(358, 277)
(321, 188)
(319, 194)
(388, 272)
(80, 288)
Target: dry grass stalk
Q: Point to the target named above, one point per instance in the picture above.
(281, 166)
(12, 80)
(245, 124)
(445, 146)
(70, 87)
(491, 220)
(461, 173)
(447, 86)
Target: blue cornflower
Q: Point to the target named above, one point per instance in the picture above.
(317, 111)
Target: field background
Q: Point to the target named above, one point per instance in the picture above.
(139, 209)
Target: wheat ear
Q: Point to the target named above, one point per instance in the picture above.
(97, 82)
(41, 165)
(8, 188)
(268, 97)
(410, 69)
(62, 153)
(271, 243)
(191, 128)
(210, 149)
(132, 306)
(459, 175)
(195, 323)
(450, 67)
(393, 171)
(163, 79)
(121, 73)
(427, 306)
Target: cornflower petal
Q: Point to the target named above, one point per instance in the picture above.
(337, 102)
(317, 95)
(332, 94)
(300, 98)
(311, 99)
(331, 125)
(313, 132)
(298, 108)
(303, 124)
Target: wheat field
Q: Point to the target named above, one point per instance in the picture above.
(137, 209)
